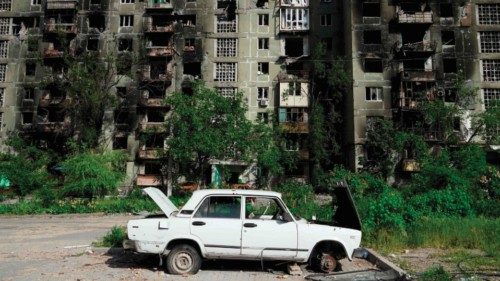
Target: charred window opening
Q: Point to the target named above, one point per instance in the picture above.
(294, 47)
(296, 66)
(30, 68)
(189, 44)
(414, 6)
(125, 45)
(121, 117)
(120, 142)
(374, 65)
(92, 44)
(372, 37)
(371, 10)
(262, 3)
(414, 35)
(448, 37)
(158, 69)
(229, 7)
(29, 93)
(27, 117)
(157, 92)
(416, 64)
(121, 92)
(450, 65)
(446, 10)
(192, 68)
(97, 21)
(155, 116)
(158, 41)
(263, 68)
(450, 95)
(152, 168)
(188, 20)
(20, 24)
(51, 115)
(154, 141)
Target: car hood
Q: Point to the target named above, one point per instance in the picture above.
(161, 200)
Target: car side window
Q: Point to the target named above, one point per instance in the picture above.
(220, 207)
(263, 208)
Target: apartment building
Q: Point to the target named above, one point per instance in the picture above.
(403, 52)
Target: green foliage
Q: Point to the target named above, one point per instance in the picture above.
(114, 238)
(380, 147)
(383, 211)
(93, 175)
(436, 273)
(47, 196)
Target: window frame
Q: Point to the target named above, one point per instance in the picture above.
(198, 206)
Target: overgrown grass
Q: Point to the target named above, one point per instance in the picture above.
(436, 273)
(114, 238)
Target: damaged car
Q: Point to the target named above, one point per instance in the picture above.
(243, 225)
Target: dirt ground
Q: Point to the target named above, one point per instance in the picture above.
(57, 248)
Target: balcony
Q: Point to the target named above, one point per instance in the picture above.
(294, 3)
(157, 127)
(294, 20)
(293, 76)
(418, 47)
(295, 127)
(160, 51)
(157, 76)
(62, 4)
(51, 52)
(53, 127)
(147, 101)
(148, 180)
(47, 100)
(418, 75)
(53, 27)
(414, 17)
(149, 27)
(159, 4)
(149, 154)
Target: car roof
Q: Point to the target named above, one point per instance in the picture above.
(200, 194)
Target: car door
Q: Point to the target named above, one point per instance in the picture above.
(217, 223)
(267, 231)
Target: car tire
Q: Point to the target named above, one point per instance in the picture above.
(183, 259)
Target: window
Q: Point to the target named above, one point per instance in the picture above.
(489, 14)
(126, 20)
(120, 142)
(5, 5)
(263, 19)
(293, 114)
(30, 69)
(27, 118)
(189, 44)
(4, 26)
(226, 4)
(263, 68)
(261, 208)
(489, 41)
(127, 1)
(371, 9)
(225, 71)
(3, 71)
(263, 43)
(228, 207)
(446, 10)
(29, 94)
(262, 93)
(374, 94)
(227, 92)
(92, 44)
(326, 20)
(227, 47)
(125, 45)
(4, 48)
(448, 37)
(491, 70)
(263, 117)
(491, 97)
(374, 65)
(372, 37)
(294, 19)
(294, 89)
(224, 25)
(449, 65)
(2, 96)
(36, 2)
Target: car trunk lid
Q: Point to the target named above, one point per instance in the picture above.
(161, 200)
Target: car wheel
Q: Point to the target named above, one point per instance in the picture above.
(183, 259)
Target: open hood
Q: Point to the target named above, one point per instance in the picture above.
(161, 200)
(346, 214)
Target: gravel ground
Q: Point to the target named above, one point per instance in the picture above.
(54, 248)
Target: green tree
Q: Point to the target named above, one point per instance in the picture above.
(206, 126)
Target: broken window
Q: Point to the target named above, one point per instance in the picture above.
(491, 70)
(326, 20)
(152, 168)
(294, 46)
(372, 37)
(36, 2)
(224, 25)
(4, 48)
(226, 4)
(263, 19)
(92, 44)
(227, 92)
(4, 26)
(262, 3)
(491, 98)
(262, 93)
(294, 89)
(416, 64)
(126, 20)
(5, 5)
(155, 116)
(2, 96)
(227, 47)
(154, 141)
(120, 142)
(189, 45)
(448, 37)
(292, 19)
(489, 14)
(263, 117)
(27, 118)
(29, 93)
(30, 68)
(225, 71)
(374, 94)
(125, 45)
(450, 65)
(263, 68)
(192, 68)
(127, 1)
(446, 10)
(374, 65)
(97, 21)
(489, 41)
(371, 9)
(3, 71)
(263, 43)
(123, 64)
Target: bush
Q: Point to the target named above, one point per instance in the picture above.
(47, 196)
(114, 238)
(383, 211)
(437, 273)
(452, 202)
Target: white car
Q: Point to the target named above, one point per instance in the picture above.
(244, 225)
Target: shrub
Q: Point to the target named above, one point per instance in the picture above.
(47, 196)
(383, 211)
(441, 203)
(114, 238)
(437, 273)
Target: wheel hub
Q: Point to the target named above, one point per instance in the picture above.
(328, 263)
(183, 262)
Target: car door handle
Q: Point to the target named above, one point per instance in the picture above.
(249, 224)
(198, 223)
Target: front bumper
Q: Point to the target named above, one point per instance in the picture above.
(129, 245)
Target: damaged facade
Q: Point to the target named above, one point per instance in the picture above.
(398, 52)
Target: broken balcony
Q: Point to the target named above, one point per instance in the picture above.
(413, 94)
(52, 51)
(149, 100)
(294, 119)
(294, 3)
(418, 75)
(157, 25)
(420, 47)
(414, 17)
(160, 51)
(54, 26)
(149, 180)
(52, 99)
(153, 122)
(159, 4)
(62, 4)
(148, 154)
(157, 72)
(294, 19)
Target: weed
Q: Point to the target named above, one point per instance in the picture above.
(436, 273)
(114, 238)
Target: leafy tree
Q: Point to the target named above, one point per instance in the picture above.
(380, 146)
(205, 126)
(90, 174)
